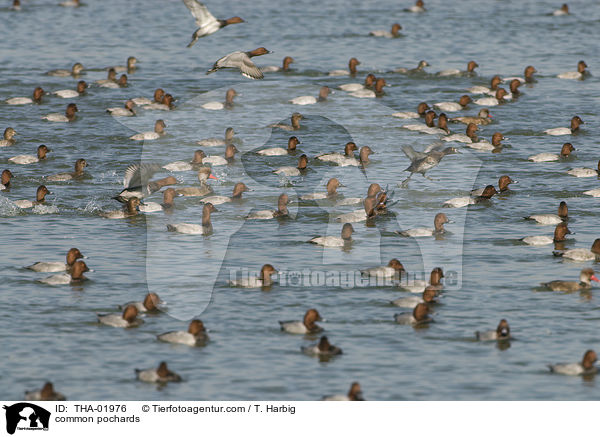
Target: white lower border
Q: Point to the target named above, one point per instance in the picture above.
(283, 419)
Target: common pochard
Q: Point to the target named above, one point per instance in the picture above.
(394, 32)
(393, 269)
(136, 181)
(167, 204)
(290, 171)
(471, 66)
(493, 101)
(483, 117)
(479, 89)
(423, 162)
(130, 209)
(503, 185)
(69, 94)
(419, 316)
(50, 267)
(586, 367)
(311, 100)
(470, 135)
(576, 121)
(70, 4)
(422, 109)
(5, 178)
(129, 68)
(204, 173)
(552, 219)
(40, 198)
(159, 94)
(74, 71)
(120, 83)
(580, 254)
(502, 332)
(527, 76)
(565, 152)
(441, 129)
(322, 349)
(332, 185)
(205, 228)
(166, 104)
(429, 123)
(305, 326)
(74, 276)
(206, 22)
(419, 69)
(585, 278)
(460, 202)
(151, 304)
(419, 285)
(161, 375)
(338, 158)
(125, 111)
(228, 158)
(564, 10)
(195, 163)
(38, 93)
(580, 74)
(8, 138)
(281, 210)
(295, 119)
(264, 278)
(111, 78)
(280, 151)
(238, 189)
(560, 232)
(241, 61)
(128, 319)
(274, 68)
(417, 8)
(215, 142)
(159, 131)
(355, 394)
(329, 241)
(428, 297)
(217, 106)
(585, 172)
(47, 393)
(352, 64)
(194, 336)
(377, 90)
(80, 165)
(438, 228)
(69, 115)
(485, 145)
(352, 87)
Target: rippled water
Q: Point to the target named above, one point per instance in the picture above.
(50, 333)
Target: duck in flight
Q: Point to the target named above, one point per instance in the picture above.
(422, 162)
(241, 61)
(207, 23)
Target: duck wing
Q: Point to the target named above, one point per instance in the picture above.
(434, 147)
(412, 154)
(248, 68)
(138, 174)
(200, 12)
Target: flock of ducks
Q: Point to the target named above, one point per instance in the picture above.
(138, 186)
